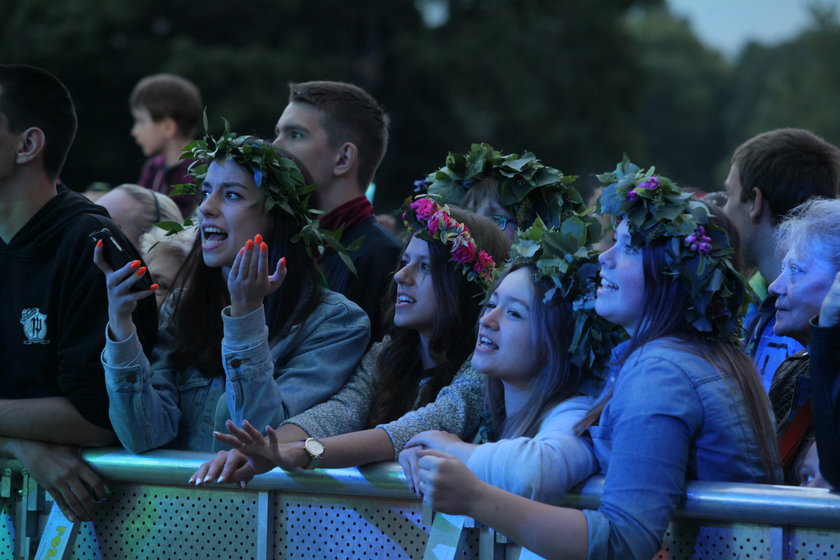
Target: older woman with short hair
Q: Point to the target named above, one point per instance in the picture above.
(809, 242)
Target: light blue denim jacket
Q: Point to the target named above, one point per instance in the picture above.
(673, 417)
(155, 405)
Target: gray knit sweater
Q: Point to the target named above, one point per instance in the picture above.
(457, 408)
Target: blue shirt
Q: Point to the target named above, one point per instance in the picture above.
(673, 417)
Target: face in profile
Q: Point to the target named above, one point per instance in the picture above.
(505, 348)
(620, 298)
(800, 289)
(300, 132)
(417, 303)
(232, 211)
(149, 135)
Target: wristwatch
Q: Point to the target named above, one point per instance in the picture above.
(315, 449)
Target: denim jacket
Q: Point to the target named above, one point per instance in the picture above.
(154, 405)
(673, 417)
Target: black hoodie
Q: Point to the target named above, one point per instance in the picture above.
(54, 307)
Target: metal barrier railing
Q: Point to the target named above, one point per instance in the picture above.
(366, 512)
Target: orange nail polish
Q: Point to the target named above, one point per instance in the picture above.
(141, 271)
(283, 262)
(154, 287)
(135, 264)
(249, 244)
(258, 239)
(263, 247)
(99, 243)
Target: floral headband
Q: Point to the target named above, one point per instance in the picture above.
(526, 186)
(564, 256)
(279, 177)
(698, 252)
(436, 223)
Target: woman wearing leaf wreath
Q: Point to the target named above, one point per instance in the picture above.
(542, 347)
(410, 382)
(510, 189)
(252, 333)
(686, 402)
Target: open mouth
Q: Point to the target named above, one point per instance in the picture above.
(485, 343)
(213, 235)
(404, 299)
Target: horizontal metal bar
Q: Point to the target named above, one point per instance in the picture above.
(714, 501)
(383, 480)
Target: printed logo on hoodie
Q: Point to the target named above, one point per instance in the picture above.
(34, 326)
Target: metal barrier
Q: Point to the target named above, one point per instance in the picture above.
(364, 513)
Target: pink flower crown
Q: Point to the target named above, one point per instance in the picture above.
(478, 266)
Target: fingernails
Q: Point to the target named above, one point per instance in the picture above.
(242, 484)
(283, 262)
(207, 478)
(99, 243)
(154, 287)
(220, 479)
(135, 264)
(249, 244)
(191, 480)
(258, 239)
(263, 247)
(141, 271)
(242, 251)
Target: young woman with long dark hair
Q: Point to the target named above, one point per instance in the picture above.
(252, 333)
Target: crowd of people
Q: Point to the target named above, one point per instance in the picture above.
(513, 344)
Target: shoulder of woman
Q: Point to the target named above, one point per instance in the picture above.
(335, 307)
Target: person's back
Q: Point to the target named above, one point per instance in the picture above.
(340, 133)
(771, 174)
(167, 111)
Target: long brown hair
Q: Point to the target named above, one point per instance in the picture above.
(197, 310)
(556, 379)
(663, 316)
(398, 389)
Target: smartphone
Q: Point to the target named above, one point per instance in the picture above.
(118, 257)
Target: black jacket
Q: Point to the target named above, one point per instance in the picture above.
(375, 262)
(54, 307)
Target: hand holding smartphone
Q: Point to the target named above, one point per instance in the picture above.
(118, 257)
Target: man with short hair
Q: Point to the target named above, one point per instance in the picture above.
(771, 174)
(54, 306)
(340, 133)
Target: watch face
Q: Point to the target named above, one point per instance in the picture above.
(314, 447)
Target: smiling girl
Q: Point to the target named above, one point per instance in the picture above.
(685, 403)
(251, 334)
(535, 385)
(412, 381)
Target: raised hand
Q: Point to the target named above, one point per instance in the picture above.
(249, 281)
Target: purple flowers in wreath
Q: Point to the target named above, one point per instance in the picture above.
(699, 242)
(477, 264)
(650, 184)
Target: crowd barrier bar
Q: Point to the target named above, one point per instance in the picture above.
(366, 512)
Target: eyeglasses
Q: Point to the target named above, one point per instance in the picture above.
(502, 221)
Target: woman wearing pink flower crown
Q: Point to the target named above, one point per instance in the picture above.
(408, 383)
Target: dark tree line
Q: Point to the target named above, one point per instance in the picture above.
(578, 82)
